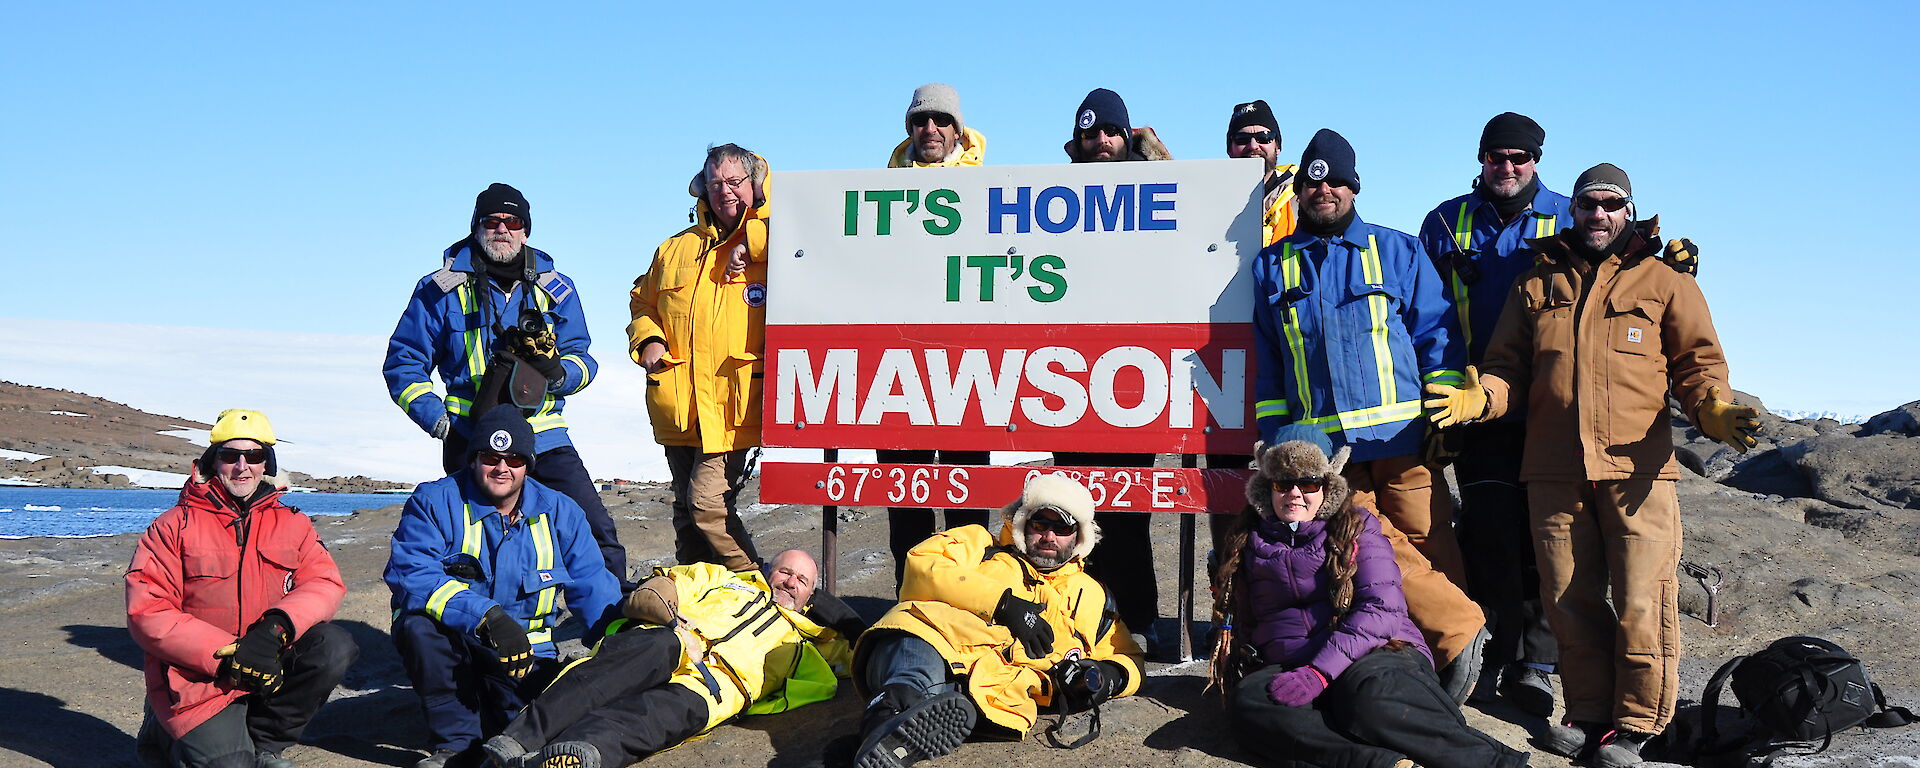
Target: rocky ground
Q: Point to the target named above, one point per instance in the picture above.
(1814, 534)
(75, 431)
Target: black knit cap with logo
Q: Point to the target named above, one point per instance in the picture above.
(501, 198)
(1328, 158)
(1254, 112)
(504, 430)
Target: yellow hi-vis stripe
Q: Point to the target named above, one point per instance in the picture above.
(1366, 417)
(458, 406)
(474, 533)
(1463, 235)
(476, 360)
(437, 603)
(1265, 408)
(412, 393)
(1543, 226)
(1290, 279)
(1444, 376)
(542, 530)
(586, 376)
(1379, 314)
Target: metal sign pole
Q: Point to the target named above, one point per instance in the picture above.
(830, 534)
(1185, 613)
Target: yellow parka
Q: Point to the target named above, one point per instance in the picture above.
(973, 151)
(1280, 217)
(715, 329)
(953, 581)
(741, 651)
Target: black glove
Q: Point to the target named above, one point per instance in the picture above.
(255, 665)
(1682, 255)
(1441, 448)
(548, 367)
(508, 640)
(1082, 684)
(1023, 619)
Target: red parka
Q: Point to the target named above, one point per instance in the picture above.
(194, 586)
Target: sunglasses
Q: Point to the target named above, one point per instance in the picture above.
(234, 455)
(1088, 134)
(1611, 204)
(1510, 158)
(1057, 527)
(513, 460)
(941, 119)
(1305, 484)
(514, 223)
(1243, 139)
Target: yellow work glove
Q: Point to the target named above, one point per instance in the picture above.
(1450, 405)
(1732, 424)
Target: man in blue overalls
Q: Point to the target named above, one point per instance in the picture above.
(478, 560)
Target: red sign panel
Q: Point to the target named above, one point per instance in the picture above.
(1148, 489)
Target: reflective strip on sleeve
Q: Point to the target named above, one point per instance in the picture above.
(412, 393)
(437, 603)
(1290, 279)
(1379, 314)
(549, 421)
(459, 406)
(1444, 376)
(586, 376)
(1266, 408)
(1367, 417)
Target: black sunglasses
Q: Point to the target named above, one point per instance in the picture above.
(1611, 204)
(513, 460)
(1305, 484)
(1510, 158)
(1057, 527)
(1087, 134)
(514, 223)
(234, 455)
(941, 119)
(1243, 139)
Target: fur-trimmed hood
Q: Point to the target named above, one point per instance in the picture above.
(1297, 459)
(1061, 493)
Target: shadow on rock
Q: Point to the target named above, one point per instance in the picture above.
(1200, 727)
(112, 642)
(801, 738)
(43, 728)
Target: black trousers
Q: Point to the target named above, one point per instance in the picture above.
(1386, 706)
(465, 695)
(312, 667)
(907, 526)
(1496, 542)
(560, 469)
(619, 700)
(1123, 560)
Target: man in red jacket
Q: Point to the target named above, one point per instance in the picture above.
(229, 594)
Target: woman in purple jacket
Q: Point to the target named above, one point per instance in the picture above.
(1316, 652)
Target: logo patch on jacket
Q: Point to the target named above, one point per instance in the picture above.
(756, 294)
(288, 588)
(545, 577)
(1634, 335)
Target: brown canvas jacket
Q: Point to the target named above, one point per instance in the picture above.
(1597, 349)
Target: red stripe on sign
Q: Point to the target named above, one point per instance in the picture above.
(1114, 489)
(1162, 388)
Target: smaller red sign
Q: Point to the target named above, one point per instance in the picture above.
(1114, 489)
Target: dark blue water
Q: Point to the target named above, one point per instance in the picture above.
(72, 512)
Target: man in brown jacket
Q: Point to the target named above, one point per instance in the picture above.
(1596, 335)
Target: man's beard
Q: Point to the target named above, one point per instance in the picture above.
(1047, 562)
(500, 251)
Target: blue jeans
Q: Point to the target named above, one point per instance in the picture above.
(901, 658)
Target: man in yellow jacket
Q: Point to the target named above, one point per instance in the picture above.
(700, 645)
(699, 329)
(988, 631)
(937, 136)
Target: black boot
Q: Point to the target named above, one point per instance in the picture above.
(1621, 749)
(1575, 740)
(1529, 689)
(903, 726)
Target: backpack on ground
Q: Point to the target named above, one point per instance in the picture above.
(1799, 689)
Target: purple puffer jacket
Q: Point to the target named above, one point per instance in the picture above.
(1289, 594)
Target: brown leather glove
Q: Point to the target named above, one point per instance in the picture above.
(655, 602)
(1732, 424)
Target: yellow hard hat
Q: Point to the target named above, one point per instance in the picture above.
(236, 424)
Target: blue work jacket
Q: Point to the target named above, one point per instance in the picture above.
(448, 328)
(449, 534)
(1470, 224)
(1347, 330)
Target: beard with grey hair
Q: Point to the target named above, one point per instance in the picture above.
(499, 252)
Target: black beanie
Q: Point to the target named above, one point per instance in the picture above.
(1102, 107)
(502, 430)
(1512, 130)
(1254, 112)
(1605, 176)
(501, 198)
(1328, 156)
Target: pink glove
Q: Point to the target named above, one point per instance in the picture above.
(1296, 687)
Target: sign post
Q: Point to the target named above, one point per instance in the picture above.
(1098, 307)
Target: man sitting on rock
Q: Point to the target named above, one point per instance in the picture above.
(479, 560)
(229, 595)
(995, 629)
(700, 645)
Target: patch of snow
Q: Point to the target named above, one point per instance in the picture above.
(20, 455)
(71, 413)
(21, 482)
(145, 478)
(195, 436)
(1792, 415)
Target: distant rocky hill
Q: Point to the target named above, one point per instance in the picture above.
(74, 432)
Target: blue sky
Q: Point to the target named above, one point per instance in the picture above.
(298, 167)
